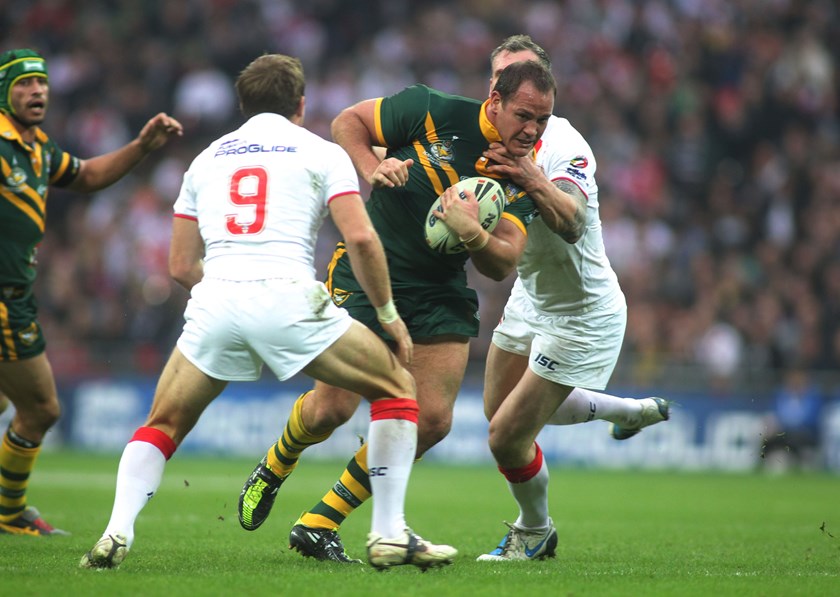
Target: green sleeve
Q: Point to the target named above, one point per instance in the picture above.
(402, 116)
(519, 205)
(64, 167)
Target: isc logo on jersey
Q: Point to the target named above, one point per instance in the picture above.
(546, 361)
(491, 204)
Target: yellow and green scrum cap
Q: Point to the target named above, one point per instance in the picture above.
(14, 66)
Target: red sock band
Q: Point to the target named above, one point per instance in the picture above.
(157, 438)
(394, 408)
(527, 472)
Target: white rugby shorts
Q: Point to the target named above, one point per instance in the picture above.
(233, 328)
(578, 350)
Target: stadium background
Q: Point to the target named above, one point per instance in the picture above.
(715, 126)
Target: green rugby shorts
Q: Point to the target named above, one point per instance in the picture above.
(427, 310)
(20, 333)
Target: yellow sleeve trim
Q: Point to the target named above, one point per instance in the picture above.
(516, 221)
(377, 122)
(62, 168)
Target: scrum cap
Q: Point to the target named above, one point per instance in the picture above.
(16, 65)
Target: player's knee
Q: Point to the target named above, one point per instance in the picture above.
(501, 451)
(51, 414)
(38, 417)
(48, 415)
(432, 429)
(499, 441)
(327, 420)
(323, 416)
(489, 411)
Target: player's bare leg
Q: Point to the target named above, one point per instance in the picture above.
(514, 427)
(29, 385)
(438, 368)
(182, 394)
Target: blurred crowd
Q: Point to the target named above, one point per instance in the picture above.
(714, 124)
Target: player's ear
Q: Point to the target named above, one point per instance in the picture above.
(300, 113)
(495, 102)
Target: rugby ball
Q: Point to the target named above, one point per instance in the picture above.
(491, 204)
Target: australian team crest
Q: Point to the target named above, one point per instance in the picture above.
(339, 296)
(512, 193)
(29, 335)
(441, 152)
(16, 178)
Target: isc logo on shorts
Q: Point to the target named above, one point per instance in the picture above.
(544, 361)
(379, 471)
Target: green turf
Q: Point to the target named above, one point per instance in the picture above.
(621, 533)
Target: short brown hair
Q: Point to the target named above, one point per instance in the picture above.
(271, 83)
(522, 43)
(514, 75)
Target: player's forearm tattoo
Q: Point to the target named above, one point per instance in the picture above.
(572, 229)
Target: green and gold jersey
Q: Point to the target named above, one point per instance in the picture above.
(445, 135)
(26, 173)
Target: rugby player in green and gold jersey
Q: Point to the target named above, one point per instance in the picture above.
(30, 162)
(433, 140)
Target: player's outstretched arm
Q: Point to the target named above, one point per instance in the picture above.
(104, 170)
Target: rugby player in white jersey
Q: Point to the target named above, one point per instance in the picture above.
(562, 327)
(243, 243)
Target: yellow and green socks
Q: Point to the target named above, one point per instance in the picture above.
(282, 457)
(350, 491)
(17, 459)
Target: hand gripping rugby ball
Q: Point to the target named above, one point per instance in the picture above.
(491, 204)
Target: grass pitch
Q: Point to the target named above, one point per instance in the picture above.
(621, 533)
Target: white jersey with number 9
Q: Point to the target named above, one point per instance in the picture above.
(260, 195)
